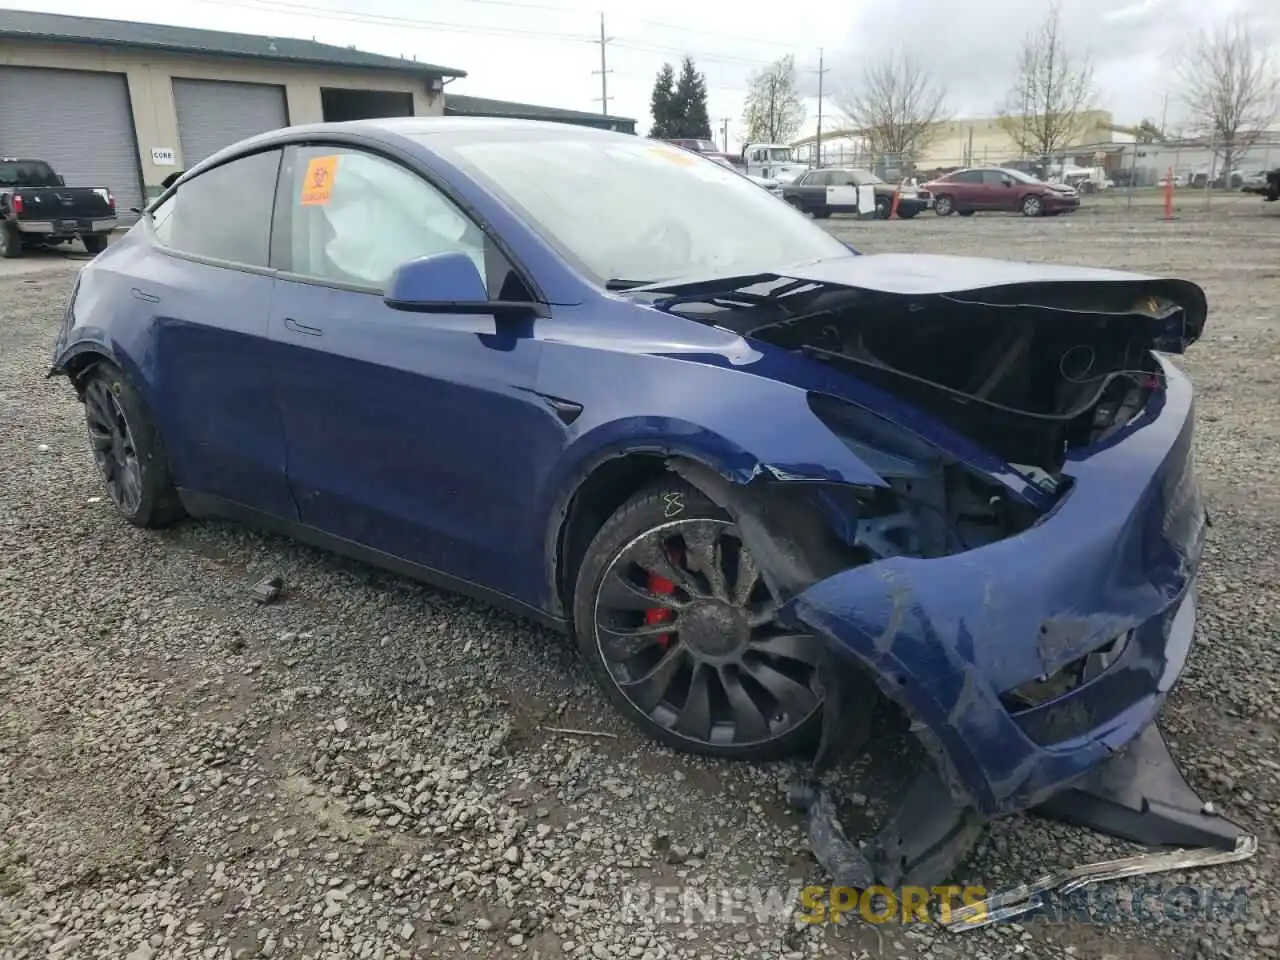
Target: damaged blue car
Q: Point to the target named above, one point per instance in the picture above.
(764, 481)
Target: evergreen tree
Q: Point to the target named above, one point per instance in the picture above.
(663, 105)
(691, 103)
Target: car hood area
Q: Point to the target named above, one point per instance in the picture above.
(1026, 361)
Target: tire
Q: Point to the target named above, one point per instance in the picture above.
(906, 213)
(127, 450)
(821, 213)
(94, 243)
(884, 208)
(10, 242)
(715, 641)
(1032, 206)
(944, 206)
(965, 213)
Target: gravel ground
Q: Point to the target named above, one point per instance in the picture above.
(370, 768)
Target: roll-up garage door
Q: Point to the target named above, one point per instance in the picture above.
(79, 121)
(213, 114)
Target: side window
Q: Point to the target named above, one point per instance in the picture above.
(993, 178)
(841, 178)
(225, 213)
(968, 176)
(354, 217)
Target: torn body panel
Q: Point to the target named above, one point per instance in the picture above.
(1026, 361)
(1026, 664)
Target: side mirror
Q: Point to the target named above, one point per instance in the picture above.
(446, 283)
(1007, 181)
(62, 182)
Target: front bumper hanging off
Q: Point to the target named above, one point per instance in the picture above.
(1140, 796)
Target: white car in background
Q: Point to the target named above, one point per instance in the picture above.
(766, 183)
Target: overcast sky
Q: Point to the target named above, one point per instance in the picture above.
(545, 51)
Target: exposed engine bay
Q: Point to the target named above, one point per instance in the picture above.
(1028, 381)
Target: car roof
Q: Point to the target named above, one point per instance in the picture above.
(413, 128)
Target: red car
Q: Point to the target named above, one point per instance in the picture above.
(997, 188)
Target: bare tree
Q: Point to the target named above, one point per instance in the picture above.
(896, 106)
(773, 111)
(1229, 84)
(1054, 91)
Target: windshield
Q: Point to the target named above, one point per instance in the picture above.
(635, 210)
(27, 173)
(779, 154)
(706, 146)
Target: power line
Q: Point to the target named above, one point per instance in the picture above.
(390, 20)
(374, 19)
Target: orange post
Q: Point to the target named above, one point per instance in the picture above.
(1168, 195)
(893, 210)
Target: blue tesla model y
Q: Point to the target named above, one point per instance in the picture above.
(763, 480)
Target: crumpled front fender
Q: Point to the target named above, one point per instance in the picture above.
(948, 638)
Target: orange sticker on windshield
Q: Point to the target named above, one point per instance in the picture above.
(317, 184)
(675, 156)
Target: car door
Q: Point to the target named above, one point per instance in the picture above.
(843, 178)
(207, 285)
(968, 189)
(411, 434)
(998, 191)
(812, 190)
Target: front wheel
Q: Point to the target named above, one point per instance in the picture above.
(127, 450)
(906, 213)
(965, 213)
(943, 206)
(678, 628)
(1032, 207)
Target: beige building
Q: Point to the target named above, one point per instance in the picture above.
(124, 105)
(973, 141)
(983, 140)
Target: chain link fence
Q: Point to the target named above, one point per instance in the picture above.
(1124, 171)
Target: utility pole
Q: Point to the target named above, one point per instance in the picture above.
(724, 132)
(604, 71)
(817, 143)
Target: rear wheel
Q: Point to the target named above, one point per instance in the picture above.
(127, 450)
(94, 243)
(906, 213)
(884, 208)
(10, 241)
(943, 206)
(679, 629)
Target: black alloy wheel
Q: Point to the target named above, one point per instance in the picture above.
(127, 449)
(685, 634)
(114, 449)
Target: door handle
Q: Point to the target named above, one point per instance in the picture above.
(144, 296)
(298, 327)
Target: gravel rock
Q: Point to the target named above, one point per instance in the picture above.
(360, 769)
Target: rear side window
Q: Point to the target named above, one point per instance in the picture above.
(225, 213)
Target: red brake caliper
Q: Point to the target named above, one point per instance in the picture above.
(660, 614)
